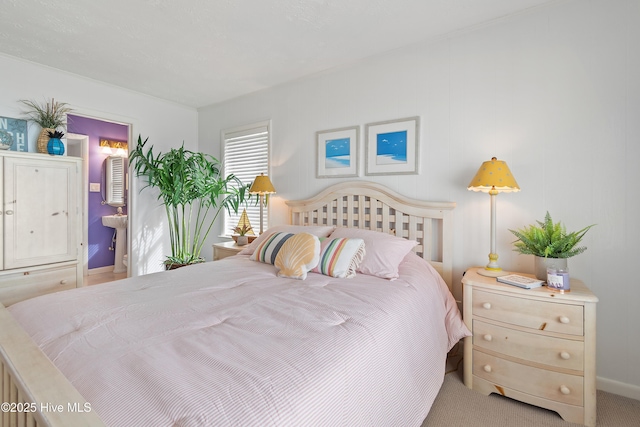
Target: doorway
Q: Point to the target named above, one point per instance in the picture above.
(78, 146)
(83, 140)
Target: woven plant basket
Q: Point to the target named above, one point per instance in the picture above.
(43, 140)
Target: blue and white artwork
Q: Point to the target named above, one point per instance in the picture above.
(17, 128)
(337, 153)
(391, 148)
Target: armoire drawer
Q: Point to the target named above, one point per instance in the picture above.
(25, 284)
(534, 347)
(559, 387)
(539, 315)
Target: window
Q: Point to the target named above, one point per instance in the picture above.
(245, 153)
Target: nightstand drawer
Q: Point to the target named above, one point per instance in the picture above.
(558, 352)
(549, 385)
(536, 346)
(540, 315)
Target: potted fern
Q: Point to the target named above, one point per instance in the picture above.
(194, 192)
(550, 243)
(49, 115)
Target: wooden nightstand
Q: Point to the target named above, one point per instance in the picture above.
(223, 250)
(533, 345)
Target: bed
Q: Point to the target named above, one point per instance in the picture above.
(187, 348)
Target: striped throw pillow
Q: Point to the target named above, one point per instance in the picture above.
(340, 257)
(268, 250)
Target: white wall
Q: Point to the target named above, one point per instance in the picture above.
(554, 92)
(166, 124)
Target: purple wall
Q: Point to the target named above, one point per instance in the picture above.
(99, 235)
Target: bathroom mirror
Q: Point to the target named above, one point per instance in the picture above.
(114, 181)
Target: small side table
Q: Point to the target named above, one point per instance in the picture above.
(223, 250)
(533, 345)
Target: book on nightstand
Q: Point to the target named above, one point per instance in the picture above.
(520, 281)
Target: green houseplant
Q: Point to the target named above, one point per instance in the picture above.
(194, 192)
(548, 240)
(242, 230)
(242, 238)
(50, 115)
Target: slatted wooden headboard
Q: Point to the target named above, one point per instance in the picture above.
(371, 206)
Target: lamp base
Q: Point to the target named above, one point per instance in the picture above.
(492, 269)
(492, 273)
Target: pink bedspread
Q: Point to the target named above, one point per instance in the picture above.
(228, 343)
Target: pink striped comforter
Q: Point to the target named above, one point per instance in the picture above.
(229, 343)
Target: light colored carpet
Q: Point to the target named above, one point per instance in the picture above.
(457, 406)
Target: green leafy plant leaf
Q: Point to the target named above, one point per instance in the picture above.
(549, 240)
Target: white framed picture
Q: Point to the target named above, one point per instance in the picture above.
(337, 152)
(392, 147)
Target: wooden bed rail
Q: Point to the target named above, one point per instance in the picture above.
(33, 392)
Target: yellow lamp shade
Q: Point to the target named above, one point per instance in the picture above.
(262, 185)
(494, 175)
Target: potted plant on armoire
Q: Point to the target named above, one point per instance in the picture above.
(193, 191)
(50, 115)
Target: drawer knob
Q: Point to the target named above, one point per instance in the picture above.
(63, 281)
(564, 319)
(565, 390)
(487, 337)
(564, 355)
(487, 305)
(487, 368)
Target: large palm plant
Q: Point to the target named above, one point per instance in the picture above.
(193, 191)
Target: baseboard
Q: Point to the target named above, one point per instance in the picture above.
(616, 387)
(100, 270)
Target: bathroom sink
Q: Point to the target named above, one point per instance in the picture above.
(119, 222)
(115, 221)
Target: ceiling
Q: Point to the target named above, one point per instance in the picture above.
(201, 52)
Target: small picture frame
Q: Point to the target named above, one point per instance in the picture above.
(337, 152)
(392, 147)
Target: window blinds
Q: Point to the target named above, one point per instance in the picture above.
(246, 155)
(115, 185)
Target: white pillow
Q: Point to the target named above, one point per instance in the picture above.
(384, 251)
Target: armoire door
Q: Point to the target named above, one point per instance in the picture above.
(40, 211)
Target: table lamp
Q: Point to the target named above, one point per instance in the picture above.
(262, 185)
(493, 177)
